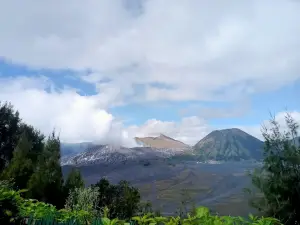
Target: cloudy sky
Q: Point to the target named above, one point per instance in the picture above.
(109, 70)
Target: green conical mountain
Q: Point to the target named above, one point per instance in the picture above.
(229, 144)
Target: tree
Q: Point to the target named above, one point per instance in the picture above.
(9, 133)
(11, 129)
(105, 192)
(46, 183)
(36, 139)
(20, 167)
(122, 200)
(278, 179)
(74, 180)
(128, 202)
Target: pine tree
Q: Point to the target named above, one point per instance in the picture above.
(11, 129)
(278, 179)
(36, 139)
(74, 180)
(122, 200)
(9, 133)
(46, 184)
(21, 167)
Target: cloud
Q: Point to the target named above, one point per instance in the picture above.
(235, 110)
(192, 129)
(256, 130)
(189, 130)
(85, 118)
(145, 51)
(197, 50)
(77, 118)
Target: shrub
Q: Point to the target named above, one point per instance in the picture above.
(83, 199)
(17, 210)
(278, 179)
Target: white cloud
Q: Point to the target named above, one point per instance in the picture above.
(192, 49)
(239, 109)
(224, 52)
(85, 118)
(192, 129)
(255, 130)
(77, 118)
(189, 130)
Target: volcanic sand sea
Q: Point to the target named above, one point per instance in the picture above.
(217, 186)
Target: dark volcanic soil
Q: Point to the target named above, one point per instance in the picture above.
(217, 186)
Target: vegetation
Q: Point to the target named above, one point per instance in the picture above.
(278, 179)
(83, 199)
(121, 199)
(17, 210)
(73, 181)
(9, 133)
(30, 169)
(33, 163)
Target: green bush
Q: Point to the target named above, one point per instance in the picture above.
(83, 199)
(10, 202)
(17, 210)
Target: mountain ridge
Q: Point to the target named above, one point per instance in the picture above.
(107, 154)
(229, 144)
(161, 141)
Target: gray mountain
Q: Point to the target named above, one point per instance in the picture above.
(162, 141)
(107, 154)
(229, 144)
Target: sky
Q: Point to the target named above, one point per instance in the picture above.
(109, 70)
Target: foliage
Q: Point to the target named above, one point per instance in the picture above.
(121, 199)
(9, 133)
(46, 183)
(34, 166)
(20, 167)
(11, 129)
(278, 179)
(10, 202)
(15, 209)
(36, 139)
(83, 199)
(74, 180)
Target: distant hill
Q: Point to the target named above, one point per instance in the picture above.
(162, 141)
(107, 154)
(153, 148)
(229, 144)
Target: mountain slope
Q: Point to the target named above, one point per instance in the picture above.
(162, 141)
(106, 154)
(229, 144)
